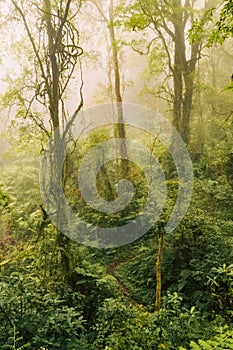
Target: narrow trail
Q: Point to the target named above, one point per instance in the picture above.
(124, 291)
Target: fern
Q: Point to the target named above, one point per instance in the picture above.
(15, 340)
(220, 342)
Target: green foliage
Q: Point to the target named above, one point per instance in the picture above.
(229, 169)
(138, 275)
(190, 253)
(14, 340)
(222, 25)
(106, 181)
(225, 23)
(105, 299)
(4, 199)
(221, 284)
(198, 30)
(39, 315)
(119, 326)
(89, 310)
(220, 341)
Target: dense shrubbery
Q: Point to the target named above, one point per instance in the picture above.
(106, 298)
(40, 307)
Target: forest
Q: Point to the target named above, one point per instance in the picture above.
(116, 174)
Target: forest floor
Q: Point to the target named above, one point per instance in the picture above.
(111, 271)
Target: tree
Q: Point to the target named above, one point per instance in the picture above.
(54, 41)
(169, 21)
(220, 18)
(119, 131)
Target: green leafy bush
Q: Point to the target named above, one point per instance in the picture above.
(220, 341)
(39, 315)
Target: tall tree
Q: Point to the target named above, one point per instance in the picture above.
(120, 127)
(54, 39)
(170, 21)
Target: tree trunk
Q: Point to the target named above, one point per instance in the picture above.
(183, 78)
(54, 96)
(189, 72)
(179, 59)
(62, 241)
(119, 130)
(159, 270)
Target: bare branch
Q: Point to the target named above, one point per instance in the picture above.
(147, 47)
(167, 29)
(33, 45)
(101, 12)
(166, 49)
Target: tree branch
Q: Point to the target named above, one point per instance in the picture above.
(62, 23)
(70, 122)
(147, 47)
(101, 12)
(33, 46)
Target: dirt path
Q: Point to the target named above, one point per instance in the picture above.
(124, 291)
